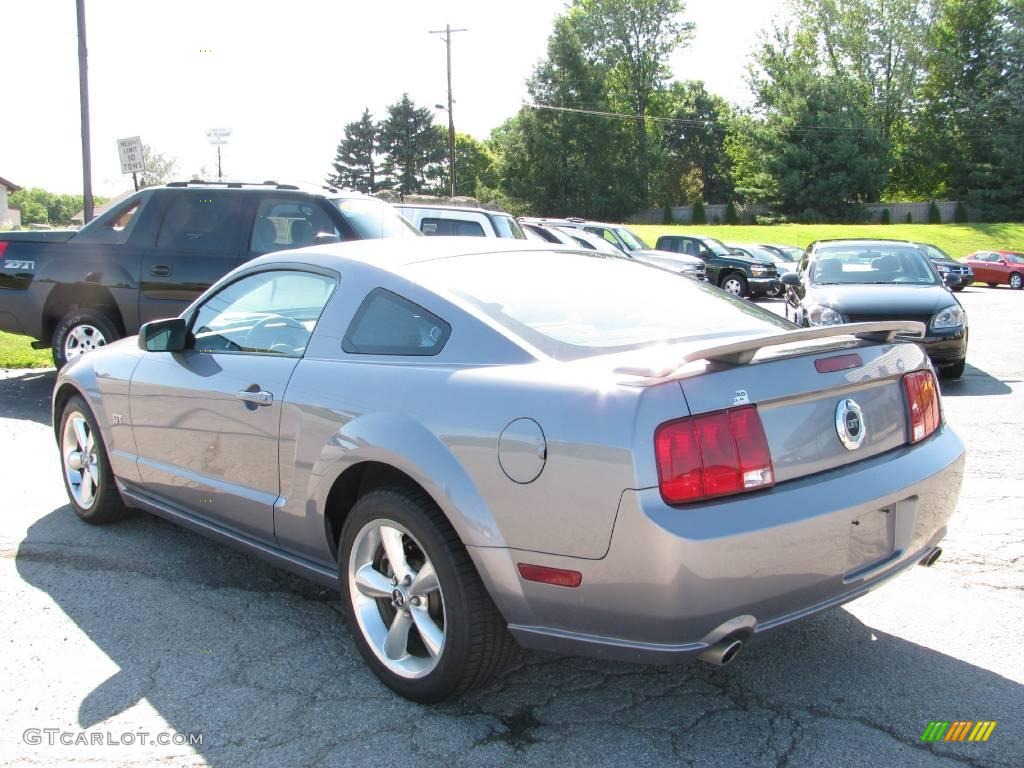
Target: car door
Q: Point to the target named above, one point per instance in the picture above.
(694, 247)
(199, 241)
(206, 420)
(982, 266)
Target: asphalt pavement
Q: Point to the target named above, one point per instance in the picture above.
(114, 639)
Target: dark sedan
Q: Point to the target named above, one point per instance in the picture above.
(956, 274)
(855, 281)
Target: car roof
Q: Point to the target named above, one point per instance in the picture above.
(263, 186)
(392, 254)
(432, 207)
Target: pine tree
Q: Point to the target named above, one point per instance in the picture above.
(414, 152)
(699, 216)
(355, 164)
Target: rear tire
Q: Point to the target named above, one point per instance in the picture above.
(735, 284)
(88, 478)
(81, 331)
(1016, 281)
(464, 641)
(954, 371)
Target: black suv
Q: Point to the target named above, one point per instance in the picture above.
(735, 274)
(151, 255)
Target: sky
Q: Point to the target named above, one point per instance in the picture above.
(285, 77)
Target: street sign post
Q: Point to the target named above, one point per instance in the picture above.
(218, 136)
(132, 160)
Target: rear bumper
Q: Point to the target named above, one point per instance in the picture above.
(676, 580)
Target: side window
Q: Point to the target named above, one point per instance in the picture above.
(269, 312)
(689, 246)
(202, 221)
(669, 244)
(283, 222)
(387, 324)
(115, 228)
(457, 227)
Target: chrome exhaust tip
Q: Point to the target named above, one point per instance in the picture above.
(931, 558)
(722, 652)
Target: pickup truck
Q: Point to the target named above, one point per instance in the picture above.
(151, 255)
(739, 275)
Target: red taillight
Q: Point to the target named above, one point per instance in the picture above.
(922, 404)
(3, 247)
(837, 363)
(545, 575)
(712, 455)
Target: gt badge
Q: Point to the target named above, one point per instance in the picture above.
(850, 424)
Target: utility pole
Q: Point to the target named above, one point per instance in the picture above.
(447, 32)
(83, 97)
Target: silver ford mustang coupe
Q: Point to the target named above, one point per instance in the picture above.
(481, 444)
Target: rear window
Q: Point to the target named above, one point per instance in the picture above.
(507, 227)
(452, 227)
(590, 304)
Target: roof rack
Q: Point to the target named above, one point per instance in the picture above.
(231, 184)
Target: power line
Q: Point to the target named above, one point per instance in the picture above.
(719, 126)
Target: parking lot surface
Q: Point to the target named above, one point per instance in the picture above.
(144, 628)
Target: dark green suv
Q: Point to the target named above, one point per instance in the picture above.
(738, 275)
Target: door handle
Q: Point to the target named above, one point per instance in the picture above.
(258, 397)
(160, 270)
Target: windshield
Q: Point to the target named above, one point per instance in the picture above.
(935, 253)
(717, 247)
(372, 218)
(614, 304)
(630, 238)
(871, 263)
(757, 252)
(507, 227)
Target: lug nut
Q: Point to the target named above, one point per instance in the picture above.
(407, 580)
(394, 582)
(415, 601)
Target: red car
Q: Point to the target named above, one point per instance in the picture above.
(998, 268)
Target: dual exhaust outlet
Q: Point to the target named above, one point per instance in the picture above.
(728, 648)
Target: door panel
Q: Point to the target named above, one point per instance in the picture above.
(199, 241)
(202, 446)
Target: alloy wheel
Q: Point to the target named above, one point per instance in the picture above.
(397, 599)
(1016, 281)
(81, 339)
(81, 465)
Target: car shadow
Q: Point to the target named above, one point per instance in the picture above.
(974, 383)
(261, 663)
(26, 394)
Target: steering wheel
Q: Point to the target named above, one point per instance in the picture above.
(277, 324)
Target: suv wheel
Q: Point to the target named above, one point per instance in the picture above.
(418, 612)
(81, 331)
(735, 283)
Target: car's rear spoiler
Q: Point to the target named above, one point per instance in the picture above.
(742, 352)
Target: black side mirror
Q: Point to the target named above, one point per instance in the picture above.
(792, 279)
(164, 335)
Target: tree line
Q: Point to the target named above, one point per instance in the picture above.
(854, 102)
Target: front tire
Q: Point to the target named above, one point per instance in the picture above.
(417, 608)
(81, 331)
(954, 371)
(736, 284)
(88, 478)
(1016, 281)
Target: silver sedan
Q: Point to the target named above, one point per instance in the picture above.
(482, 444)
